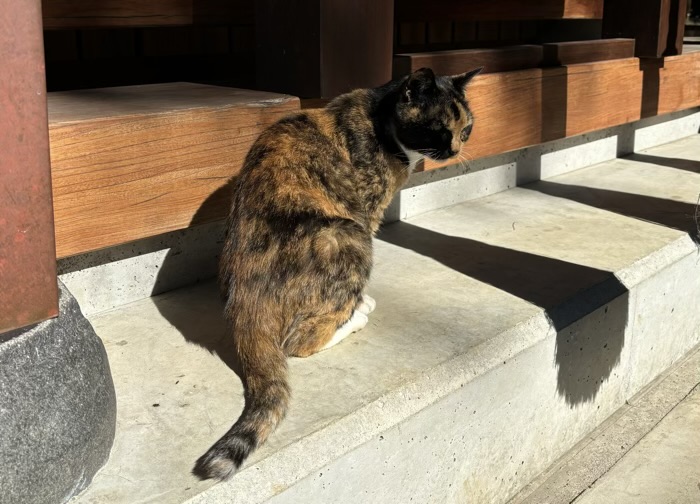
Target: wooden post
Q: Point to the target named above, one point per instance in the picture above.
(320, 49)
(28, 287)
(656, 25)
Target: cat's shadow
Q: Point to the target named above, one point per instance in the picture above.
(198, 312)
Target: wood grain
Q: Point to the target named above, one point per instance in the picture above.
(496, 10)
(517, 109)
(458, 61)
(585, 51)
(133, 13)
(138, 161)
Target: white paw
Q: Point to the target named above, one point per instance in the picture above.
(367, 305)
(356, 322)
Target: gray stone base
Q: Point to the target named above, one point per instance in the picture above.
(57, 408)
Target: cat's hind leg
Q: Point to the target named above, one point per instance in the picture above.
(320, 332)
(366, 305)
(357, 321)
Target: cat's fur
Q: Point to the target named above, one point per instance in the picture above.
(298, 252)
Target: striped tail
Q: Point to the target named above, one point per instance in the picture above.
(266, 401)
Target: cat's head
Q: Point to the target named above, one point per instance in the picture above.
(432, 116)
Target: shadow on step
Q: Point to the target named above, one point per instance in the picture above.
(677, 163)
(208, 328)
(587, 347)
(670, 213)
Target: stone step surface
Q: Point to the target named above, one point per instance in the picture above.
(507, 328)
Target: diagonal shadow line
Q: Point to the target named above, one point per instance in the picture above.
(678, 163)
(585, 356)
(669, 213)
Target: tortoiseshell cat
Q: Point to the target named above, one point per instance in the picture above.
(306, 205)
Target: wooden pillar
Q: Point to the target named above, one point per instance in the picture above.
(28, 288)
(656, 25)
(323, 48)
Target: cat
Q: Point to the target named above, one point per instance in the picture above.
(298, 253)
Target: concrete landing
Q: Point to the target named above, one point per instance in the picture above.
(507, 329)
(663, 468)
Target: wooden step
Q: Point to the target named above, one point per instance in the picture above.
(586, 51)
(137, 161)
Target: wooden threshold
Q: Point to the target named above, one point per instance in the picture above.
(518, 109)
(137, 161)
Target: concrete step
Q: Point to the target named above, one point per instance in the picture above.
(507, 329)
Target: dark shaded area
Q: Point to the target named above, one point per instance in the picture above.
(677, 163)
(651, 82)
(555, 84)
(673, 214)
(214, 335)
(585, 355)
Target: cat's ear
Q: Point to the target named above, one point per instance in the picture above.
(418, 83)
(460, 81)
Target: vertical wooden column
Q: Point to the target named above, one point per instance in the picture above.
(323, 48)
(656, 25)
(28, 288)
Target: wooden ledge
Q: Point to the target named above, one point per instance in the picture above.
(138, 161)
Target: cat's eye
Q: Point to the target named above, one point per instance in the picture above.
(465, 133)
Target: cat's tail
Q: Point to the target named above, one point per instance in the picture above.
(266, 401)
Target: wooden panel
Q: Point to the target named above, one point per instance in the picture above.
(137, 161)
(458, 61)
(602, 94)
(28, 288)
(517, 109)
(570, 53)
(322, 49)
(679, 83)
(356, 44)
(498, 10)
(123, 13)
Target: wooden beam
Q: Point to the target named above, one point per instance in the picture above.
(317, 49)
(458, 61)
(517, 109)
(137, 161)
(133, 13)
(28, 287)
(571, 53)
(496, 10)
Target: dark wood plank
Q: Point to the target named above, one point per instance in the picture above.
(137, 161)
(29, 291)
(138, 13)
(458, 61)
(496, 10)
(569, 53)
